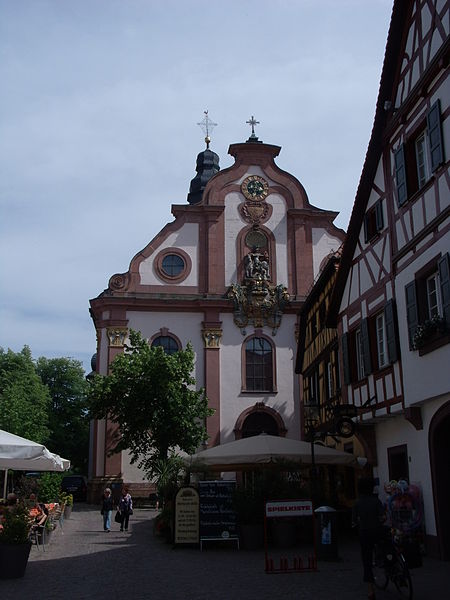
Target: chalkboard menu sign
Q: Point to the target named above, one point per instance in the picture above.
(186, 516)
(217, 517)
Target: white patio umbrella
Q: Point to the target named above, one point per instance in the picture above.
(24, 455)
(265, 450)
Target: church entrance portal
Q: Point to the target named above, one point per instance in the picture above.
(259, 422)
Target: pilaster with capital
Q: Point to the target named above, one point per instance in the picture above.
(212, 337)
(212, 334)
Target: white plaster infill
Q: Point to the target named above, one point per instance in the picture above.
(186, 238)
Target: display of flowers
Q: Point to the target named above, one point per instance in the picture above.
(426, 330)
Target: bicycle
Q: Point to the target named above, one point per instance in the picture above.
(390, 564)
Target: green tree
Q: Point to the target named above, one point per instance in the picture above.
(149, 395)
(68, 417)
(24, 399)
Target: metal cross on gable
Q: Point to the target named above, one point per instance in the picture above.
(252, 122)
(207, 126)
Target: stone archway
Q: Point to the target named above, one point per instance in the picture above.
(439, 445)
(259, 419)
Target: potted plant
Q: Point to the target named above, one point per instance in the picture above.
(15, 544)
(67, 500)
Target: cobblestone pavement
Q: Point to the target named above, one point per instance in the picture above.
(82, 561)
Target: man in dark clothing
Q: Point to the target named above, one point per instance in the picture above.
(368, 515)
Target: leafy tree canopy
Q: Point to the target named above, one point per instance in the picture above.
(68, 417)
(24, 399)
(149, 395)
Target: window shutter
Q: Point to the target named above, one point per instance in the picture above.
(337, 373)
(366, 347)
(366, 228)
(390, 319)
(412, 315)
(435, 135)
(400, 175)
(444, 280)
(379, 215)
(346, 359)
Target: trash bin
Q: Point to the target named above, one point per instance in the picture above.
(326, 532)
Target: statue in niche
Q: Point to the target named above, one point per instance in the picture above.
(255, 301)
(257, 266)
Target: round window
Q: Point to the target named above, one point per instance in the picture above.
(173, 265)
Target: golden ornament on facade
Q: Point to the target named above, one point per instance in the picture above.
(255, 187)
(255, 301)
(117, 336)
(212, 337)
(254, 212)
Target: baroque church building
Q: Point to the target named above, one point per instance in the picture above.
(229, 275)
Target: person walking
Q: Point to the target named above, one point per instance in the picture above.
(126, 508)
(106, 511)
(368, 515)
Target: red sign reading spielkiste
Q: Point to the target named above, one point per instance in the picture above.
(286, 508)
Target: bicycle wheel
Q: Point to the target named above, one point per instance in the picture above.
(402, 578)
(380, 576)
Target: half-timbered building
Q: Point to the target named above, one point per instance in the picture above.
(391, 300)
(317, 355)
(228, 275)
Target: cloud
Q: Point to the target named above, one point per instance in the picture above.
(101, 101)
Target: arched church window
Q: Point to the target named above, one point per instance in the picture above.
(173, 265)
(168, 343)
(258, 365)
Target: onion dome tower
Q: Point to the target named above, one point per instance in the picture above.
(207, 164)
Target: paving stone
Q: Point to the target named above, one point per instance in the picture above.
(82, 561)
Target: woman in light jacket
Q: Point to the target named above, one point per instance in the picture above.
(107, 507)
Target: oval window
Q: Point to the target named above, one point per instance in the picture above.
(173, 265)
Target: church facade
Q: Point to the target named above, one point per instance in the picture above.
(229, 275)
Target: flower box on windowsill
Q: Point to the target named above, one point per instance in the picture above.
(430, 335)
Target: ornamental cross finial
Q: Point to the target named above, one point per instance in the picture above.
(252, 122)
(207, 126)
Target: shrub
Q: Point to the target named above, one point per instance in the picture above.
(49, 486)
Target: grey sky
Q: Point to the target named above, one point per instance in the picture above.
(98, 134)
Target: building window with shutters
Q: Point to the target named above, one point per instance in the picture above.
(373, 221)
(372, 346)
(428, 306)
(380, 328)
(434, 302)
(420, 156)
(312, 396)
(422, 160)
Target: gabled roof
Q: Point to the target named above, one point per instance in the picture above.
(397, 31)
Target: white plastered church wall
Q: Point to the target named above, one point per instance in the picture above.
(234, 401)
(233, 225)
(323, 243)
(186, 238)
